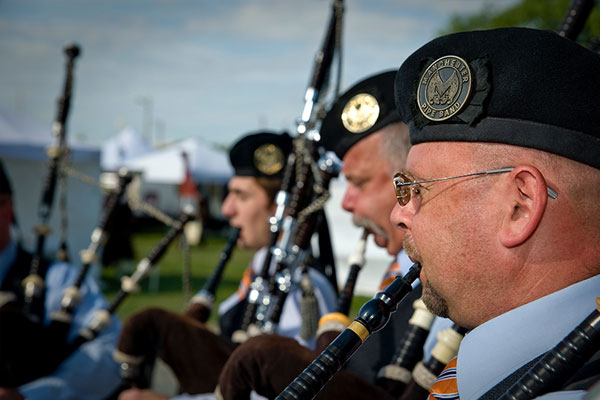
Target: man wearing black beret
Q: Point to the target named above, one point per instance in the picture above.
(259, 161)
(499, 200)
(194, 352)
(363, 128)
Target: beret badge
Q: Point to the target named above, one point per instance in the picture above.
(268, 159)
(360, 113)
(444, 88)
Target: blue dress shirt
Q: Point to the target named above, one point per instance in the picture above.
(497, 348)
(90, 372)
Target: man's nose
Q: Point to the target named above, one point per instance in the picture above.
(227, 208)
(348, 201)
(401, 216)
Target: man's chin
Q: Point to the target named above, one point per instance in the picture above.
(434, 302)
(380, 241)
(243, 244)
(384, 243)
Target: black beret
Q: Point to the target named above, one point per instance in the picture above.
(5, 187)
(517, 86)
(261, 154)
(366, 107)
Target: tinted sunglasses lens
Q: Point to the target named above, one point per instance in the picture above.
(402, 192)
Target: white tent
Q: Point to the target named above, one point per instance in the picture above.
(163, 170)
(23, 152)
(127, 144)
(208, 165)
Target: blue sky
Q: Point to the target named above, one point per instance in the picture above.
(211, 69)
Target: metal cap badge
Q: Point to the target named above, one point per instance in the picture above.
(360, 113)
(444, 88)
(268, 159)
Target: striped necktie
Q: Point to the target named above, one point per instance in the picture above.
(445, 387)
(392, 272)
(247, 279)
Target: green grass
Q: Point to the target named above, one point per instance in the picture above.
(169, 294)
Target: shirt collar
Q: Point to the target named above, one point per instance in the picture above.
(497, 348)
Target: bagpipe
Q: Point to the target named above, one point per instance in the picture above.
(259, 283)
(183, 342)
(201, 305)
(130, 284)
(266, 363)
(562, 362)
(372, 316)
(155, 332)
(399, 373)
(574, 21)
(414, 385)
(395, 376)
(299, 212)
(61, 321)
(575, 18)
(425, 372)
(158, 333)
(30, 348)
(292, 252)
(28, 338)
(330, 325)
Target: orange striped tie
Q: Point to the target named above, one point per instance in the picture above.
(247, 278)
(445, 387)
(392, 272)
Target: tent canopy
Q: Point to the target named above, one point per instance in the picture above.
(23, 151)
(23, 139)
(126, 145)
(207, 164)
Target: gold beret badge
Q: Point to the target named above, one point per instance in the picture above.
(268, 159)
(360, 113)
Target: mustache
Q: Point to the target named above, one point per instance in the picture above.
(411, 249)
(370, 225)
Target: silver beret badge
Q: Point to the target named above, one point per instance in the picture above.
(444, 88)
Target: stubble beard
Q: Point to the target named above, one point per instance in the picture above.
(432, 298)
(434, 301)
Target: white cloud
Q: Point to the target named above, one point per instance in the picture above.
(210, 67)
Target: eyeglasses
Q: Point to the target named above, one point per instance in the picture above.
(404, 184)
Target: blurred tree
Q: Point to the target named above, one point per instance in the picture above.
(540, 14)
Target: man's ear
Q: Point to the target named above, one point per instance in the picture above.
(526, 199)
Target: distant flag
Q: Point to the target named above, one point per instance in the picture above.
(188, 190)
(189, 195)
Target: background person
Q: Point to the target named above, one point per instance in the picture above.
(258, 160)
(89, 372)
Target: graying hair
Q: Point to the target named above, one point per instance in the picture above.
(395, 145)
